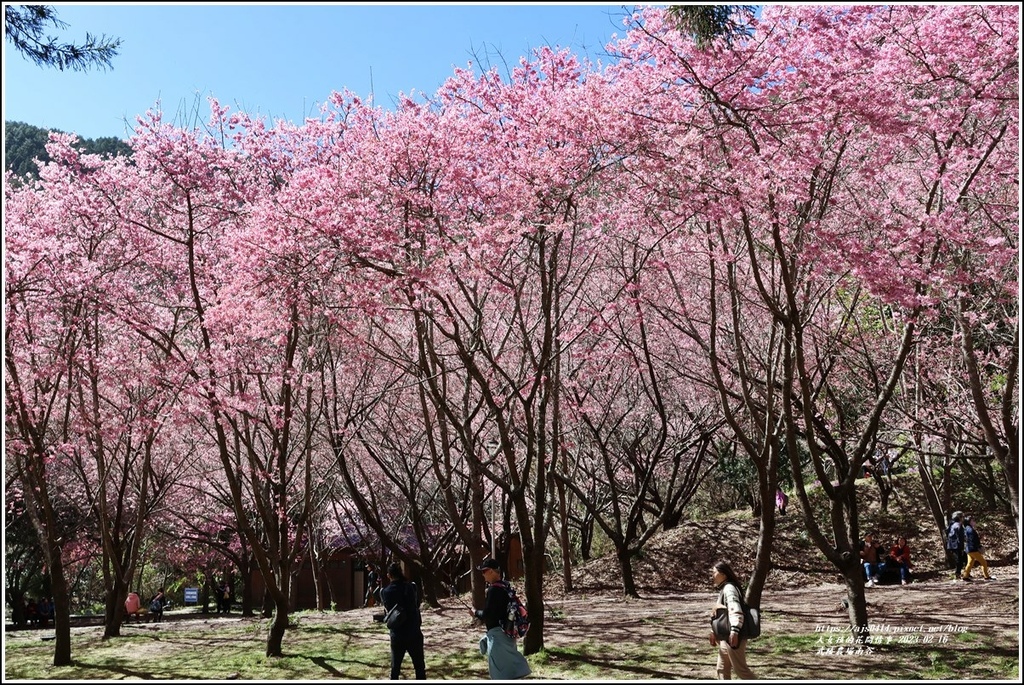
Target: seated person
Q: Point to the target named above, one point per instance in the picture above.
(871, 555)
(44, 608)
(132, 605)
(31, 613)
(900, 555)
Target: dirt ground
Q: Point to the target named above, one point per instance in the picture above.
(609, 625)
(803, 597)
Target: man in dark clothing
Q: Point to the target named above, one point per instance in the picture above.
(223, 598)
(956, 543)
(408, 637)
(372, 580)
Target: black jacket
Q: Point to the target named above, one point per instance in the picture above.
(495, 606)
(407, 594)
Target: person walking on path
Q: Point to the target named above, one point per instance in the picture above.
(732, 649)
(972, 540)
(504, 660)
(956, 544)
(407, 637)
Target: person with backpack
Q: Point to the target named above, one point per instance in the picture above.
(972, 542)
(956, 543)
(157, 604)
(407, 636)
(732, 648)
(504, 660)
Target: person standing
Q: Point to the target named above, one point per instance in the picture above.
(407, 637)
(732, 648)
(900, 554)
(781, 501)
(972, 542)
(224, 598)
(956, 543)
(157, 604)
(372, 578)
(504, 660)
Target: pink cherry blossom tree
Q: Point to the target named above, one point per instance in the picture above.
(827, 189)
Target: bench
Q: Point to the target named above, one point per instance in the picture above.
(139, 615)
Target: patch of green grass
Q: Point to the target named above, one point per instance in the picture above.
(310, 652)
(343, 649)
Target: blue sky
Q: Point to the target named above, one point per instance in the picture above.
(281, 61)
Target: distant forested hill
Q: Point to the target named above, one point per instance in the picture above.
(23, 143)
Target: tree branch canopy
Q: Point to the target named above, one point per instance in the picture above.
(25, 25)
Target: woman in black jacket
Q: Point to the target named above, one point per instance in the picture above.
(407, 637)
(504, 660)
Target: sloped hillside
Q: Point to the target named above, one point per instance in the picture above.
(678, 560)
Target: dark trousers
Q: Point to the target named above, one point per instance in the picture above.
(413, 644)
(961, 561)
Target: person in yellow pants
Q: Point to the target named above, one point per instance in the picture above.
(974, 554)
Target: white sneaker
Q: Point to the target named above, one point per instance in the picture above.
(870, 583)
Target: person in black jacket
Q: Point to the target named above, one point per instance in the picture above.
(956, 544)
(504, 660)
(972, 545)
(407, 637)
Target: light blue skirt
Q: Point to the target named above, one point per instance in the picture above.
(504, 660)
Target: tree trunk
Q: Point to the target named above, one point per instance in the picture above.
(534, 590)
(113, 616)
(275, 636)
(61, 611)
(853, 575)
(625, 558)
(563, 527)
(245, 569)
(763, 557)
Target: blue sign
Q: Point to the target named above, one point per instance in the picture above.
(191, 595)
